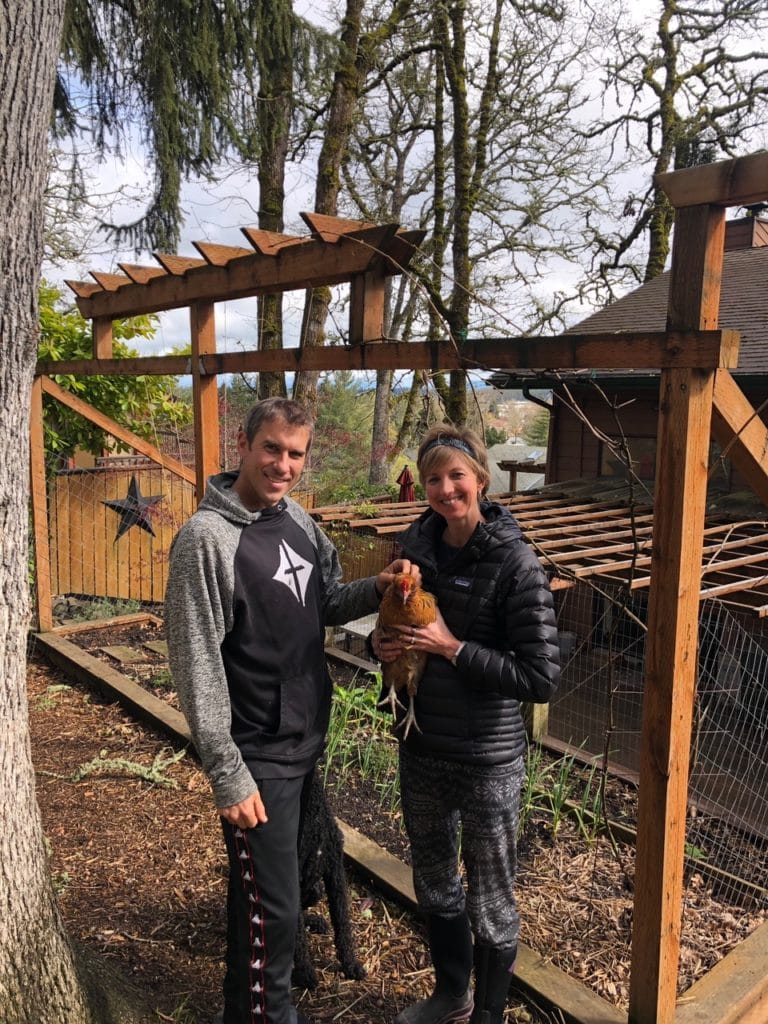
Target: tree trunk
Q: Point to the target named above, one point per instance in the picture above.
(452, 39)
(275, 109)
(38, 982)
(316, 306)
(662, 214)
(343, 103)
(419, 384)
(380, 447)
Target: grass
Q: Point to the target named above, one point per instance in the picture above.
(162, 680)
(559, 788)
(106, 608)
(47, 700)
(360, 739)
(360, 743)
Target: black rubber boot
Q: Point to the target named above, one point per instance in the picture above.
(493, 974)
(450, 946)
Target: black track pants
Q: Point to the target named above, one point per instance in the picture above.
(263, 909)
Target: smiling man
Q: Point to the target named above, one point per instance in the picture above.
(252, 583)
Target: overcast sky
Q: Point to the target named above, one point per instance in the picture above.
(216, 212)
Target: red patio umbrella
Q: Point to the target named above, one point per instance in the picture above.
(406, 485)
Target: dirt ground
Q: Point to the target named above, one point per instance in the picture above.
(140, 869)
(141, 874)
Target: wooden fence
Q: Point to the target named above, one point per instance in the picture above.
(87, 558)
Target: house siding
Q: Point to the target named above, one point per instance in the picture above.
(577, 454)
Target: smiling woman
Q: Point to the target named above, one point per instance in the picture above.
(493, 643)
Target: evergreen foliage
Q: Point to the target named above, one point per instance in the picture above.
(536, 430)
(184, 75)
(341, 447)
(493, 435)
(179, 71)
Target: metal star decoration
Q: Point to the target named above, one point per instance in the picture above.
(134, 509)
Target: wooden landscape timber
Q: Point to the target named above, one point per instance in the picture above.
(690, 355)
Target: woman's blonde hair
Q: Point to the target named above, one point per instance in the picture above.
(443, 442)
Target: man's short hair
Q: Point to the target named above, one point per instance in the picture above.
(267, 409)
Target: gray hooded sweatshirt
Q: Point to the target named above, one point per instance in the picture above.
(248, 596)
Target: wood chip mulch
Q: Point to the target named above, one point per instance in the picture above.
(141, 872)
(140, 869)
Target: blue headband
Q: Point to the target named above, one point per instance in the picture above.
(450, 442)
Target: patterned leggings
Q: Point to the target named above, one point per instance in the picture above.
(437, 798)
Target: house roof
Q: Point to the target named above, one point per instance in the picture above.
(743, 307)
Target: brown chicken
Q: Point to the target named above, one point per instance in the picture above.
(404, 604)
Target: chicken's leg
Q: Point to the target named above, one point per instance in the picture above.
(390, 698)
(409, 720)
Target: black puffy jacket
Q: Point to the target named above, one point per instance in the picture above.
(493, 594)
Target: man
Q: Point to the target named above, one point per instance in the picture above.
(252, 583)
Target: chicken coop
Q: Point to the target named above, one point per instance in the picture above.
(655, 642)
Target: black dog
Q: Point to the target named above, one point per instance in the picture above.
(321, 865)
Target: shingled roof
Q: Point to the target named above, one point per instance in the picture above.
(743, 298)
(743, 307)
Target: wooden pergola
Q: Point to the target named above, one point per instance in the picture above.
(603, 539)
(697, 396)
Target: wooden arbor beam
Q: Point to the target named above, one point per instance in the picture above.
(737, 182)
(630, 350)
(741, 433)
(673, 614)
(308, 263)
(366, 307)
(50, 387)
(205, 398)
(101, 329)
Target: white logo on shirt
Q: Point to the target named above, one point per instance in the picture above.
(293, 571)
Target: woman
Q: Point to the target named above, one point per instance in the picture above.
(494, 644)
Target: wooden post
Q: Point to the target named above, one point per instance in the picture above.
(685, 410)
(536, 718)
(102, 337)
(43, 597)
(366, 307)
(205, 399)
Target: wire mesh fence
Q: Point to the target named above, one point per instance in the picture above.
(598, 710)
